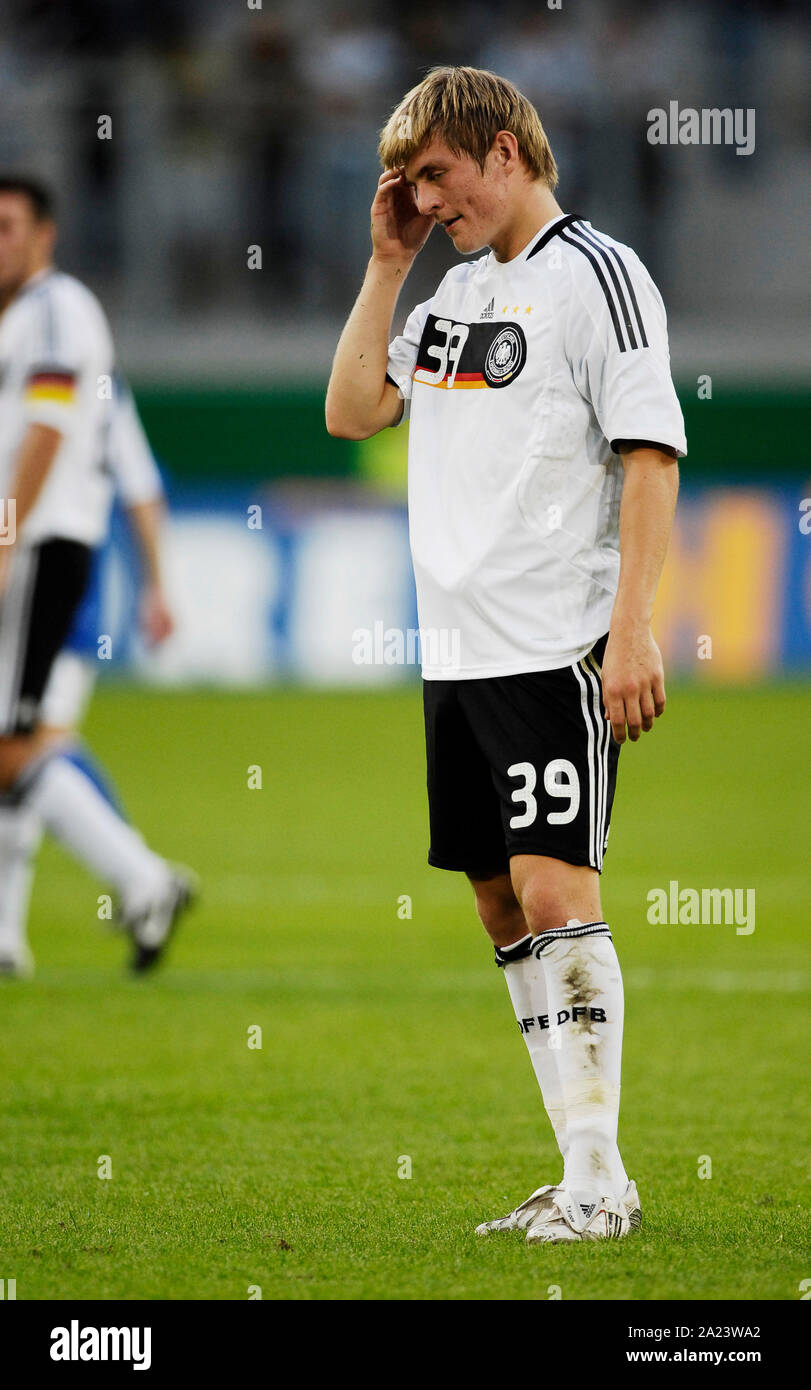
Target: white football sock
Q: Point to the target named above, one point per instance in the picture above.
(586, 1006)
(526, 982)
(20, 834)
(74, 811)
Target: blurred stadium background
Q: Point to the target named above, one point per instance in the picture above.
(236, 128)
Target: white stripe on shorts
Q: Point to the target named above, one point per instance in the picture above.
(603, 741)
(591, 759)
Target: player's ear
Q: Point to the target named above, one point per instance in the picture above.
(504, 149)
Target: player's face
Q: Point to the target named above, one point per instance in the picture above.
(23, 241)
(471, 204)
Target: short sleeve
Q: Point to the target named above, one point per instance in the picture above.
(616, 343)
(403, 351)
(55, 355)
(130, 458)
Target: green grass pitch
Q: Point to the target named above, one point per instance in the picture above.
(386, 1038)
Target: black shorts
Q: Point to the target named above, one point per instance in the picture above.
(522, 764)
(45, 585)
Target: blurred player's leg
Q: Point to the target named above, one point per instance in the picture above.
(20, 834)
(20, 837)
(64, 703)
(73, 809)
(39, 776)
(58, 793)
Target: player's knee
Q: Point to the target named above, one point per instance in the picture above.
(499, 910)
(546, 905)
(15, 752)
(7, 766)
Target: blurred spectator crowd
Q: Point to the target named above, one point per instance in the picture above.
(239, 123)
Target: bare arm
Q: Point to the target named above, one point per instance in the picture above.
(34, 462)
(37, 453)
(360, 401)
(147, 519)
(633, 676)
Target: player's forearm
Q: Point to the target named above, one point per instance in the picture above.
(358, 379)
(34, 461)
(147, 523)
(649, 494)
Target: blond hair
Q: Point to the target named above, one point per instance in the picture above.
(466, 108)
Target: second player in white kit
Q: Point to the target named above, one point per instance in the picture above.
(56, 372)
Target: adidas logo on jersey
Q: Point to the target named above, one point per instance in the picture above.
(487, 311)
(588, 1210)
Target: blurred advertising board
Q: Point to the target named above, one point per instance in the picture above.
(314, 585)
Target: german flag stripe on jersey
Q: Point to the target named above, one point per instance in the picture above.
(461, 356)
(52, 385)
(463, 381)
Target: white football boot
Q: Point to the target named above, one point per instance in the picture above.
(573, 1216)
(152, 925)
(17, 964)
(520, 1218)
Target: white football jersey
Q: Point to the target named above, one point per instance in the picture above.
(519, 376)
(55, 348)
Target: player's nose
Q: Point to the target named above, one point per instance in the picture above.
(428, 200)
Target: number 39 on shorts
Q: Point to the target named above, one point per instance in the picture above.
(560, 781)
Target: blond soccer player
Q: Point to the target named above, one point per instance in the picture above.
(544, 434)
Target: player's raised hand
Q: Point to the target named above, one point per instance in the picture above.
(399, 229)
(633, 682)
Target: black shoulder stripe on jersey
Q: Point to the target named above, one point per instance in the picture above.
(606, 291)
(620, 262)
(625, 446)
(553, 231)
(602, 251)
